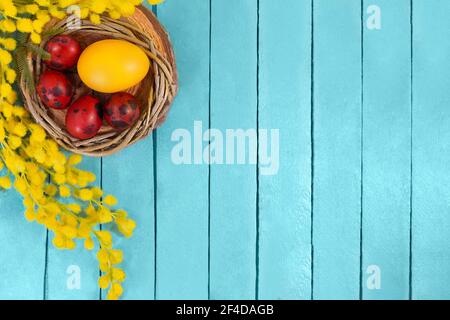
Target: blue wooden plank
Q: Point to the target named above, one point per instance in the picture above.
(337, 149)
(22, 258)
(182, 190)
(431, 136)
(129, 176)
(63, 265)
(285, 104)
(233, 186)
(386, 150)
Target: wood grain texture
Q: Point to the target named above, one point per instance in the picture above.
(129, 176)
(285, 104)
(182, 190)
(209, 232)
(61, 264)
(386, 150)
(233, 187)
(337, 149)
(22, 258)
(431, 136)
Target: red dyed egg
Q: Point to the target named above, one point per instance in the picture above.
(64, 52)
(55, 89)
(122, 110)
(84, 118)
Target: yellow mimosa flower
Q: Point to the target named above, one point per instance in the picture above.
(5, 182)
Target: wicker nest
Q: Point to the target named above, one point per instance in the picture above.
(155, 93)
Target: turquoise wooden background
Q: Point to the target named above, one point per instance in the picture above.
(364, 178)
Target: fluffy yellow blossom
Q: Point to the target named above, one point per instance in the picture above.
(64, 191)
(115, 256)
(154, 2)
(35, 37)
(126, 226)
(10, 75)
(38, 25)
(24, 25)
(21, 186)
(105, 215)
(5, 57)
(8, 25)
(32, 162)
(98, 193)
(8, 43)
(43, 3)
(102, 256)
(99, 6)
(89, 244)
(74, 207)
(59, 178)
(74, 159)
(20, 130)
(30, 215)
(32, 8)
(105, 238)
(95, 18)
(67, 3)
(118, 274)
(14, 142)
(5, 88)
(85, 194)
(114, 14)
(110, 200)
(5, 182)
(43, 16)
(117, 289)
(7, 8)
(104, 281)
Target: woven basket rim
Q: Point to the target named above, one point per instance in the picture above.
(156, 92)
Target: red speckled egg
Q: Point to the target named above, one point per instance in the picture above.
(64, 51)
(122, 110)
(84, 118)
(55, 89)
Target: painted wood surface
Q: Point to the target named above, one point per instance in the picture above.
(182, 191)
(61, 265)
(362, 184)
(386, 150)
(233, 187)
(23, 254)
(285, 197)
(337, 149)
(139, 250)
(431, 116)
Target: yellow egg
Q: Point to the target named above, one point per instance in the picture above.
(112, 65)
